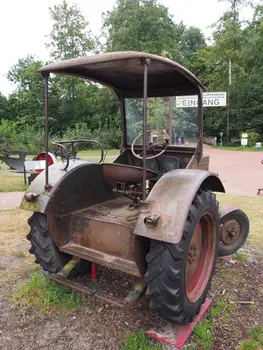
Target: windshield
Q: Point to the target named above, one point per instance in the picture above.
(184, 120)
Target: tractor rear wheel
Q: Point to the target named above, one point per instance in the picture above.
(43, 247)
(179, 275)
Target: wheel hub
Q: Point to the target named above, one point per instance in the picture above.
(230, 232)
(192, 254)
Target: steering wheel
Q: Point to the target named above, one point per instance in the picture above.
(150, 146)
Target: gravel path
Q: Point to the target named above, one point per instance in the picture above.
(9, 200)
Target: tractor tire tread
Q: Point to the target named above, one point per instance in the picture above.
(165, 268)
(43, 247)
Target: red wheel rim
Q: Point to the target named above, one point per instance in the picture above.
(200, 257)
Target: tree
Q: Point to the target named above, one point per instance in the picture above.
(26, 103)
(142, 25)
(70, 36)
(4, 113)
(192, 40)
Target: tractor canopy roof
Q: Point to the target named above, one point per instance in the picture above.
(123, 71)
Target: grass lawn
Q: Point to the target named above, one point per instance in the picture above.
(14, 182)
(11, 182)
(96, 152)
(239, 148)
(253, 207)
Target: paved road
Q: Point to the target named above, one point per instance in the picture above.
(241, 172)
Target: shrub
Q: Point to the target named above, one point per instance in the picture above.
(109, 138)
(7, 133)
(253, 137)
(22, 137)
(235, 142)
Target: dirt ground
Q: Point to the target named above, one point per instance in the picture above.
(100, 326)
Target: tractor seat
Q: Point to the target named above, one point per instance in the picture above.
(115, 172)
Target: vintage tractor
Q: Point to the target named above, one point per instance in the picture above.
(152, 213)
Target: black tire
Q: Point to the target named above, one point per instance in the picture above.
(43, 247)
(166, 273)
(243, 221)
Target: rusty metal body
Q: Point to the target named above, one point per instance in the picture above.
(97, 211)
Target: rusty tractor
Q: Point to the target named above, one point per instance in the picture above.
(152, 212)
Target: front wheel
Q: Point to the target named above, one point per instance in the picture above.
(179, 275)
(233, 232)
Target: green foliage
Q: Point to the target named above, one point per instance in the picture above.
(49, 296)
(141, 25)
(242, 257)
(219, 309)
(4, 112)
(256, 333)
(70, 36)
(19, 136)
(148, 27)
(203, 332)
(7, 133)
(249, 344)
(235, 142)
(109, 138)
(256, 343)
(138, 341)
(253, 137)
(192, 40)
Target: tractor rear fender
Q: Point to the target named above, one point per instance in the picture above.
(170, 200)
(73, 189)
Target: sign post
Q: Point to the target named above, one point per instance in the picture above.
(244, 139)
(221, 139)
(210, 99)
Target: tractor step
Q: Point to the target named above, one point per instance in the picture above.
(90, 290)
(101, 258)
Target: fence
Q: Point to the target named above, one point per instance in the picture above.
(209, 140)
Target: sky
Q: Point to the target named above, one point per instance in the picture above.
(24, 24)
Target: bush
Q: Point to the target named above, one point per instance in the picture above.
(109, 138)
(25, 137)
(20, 137)
(79, 130)
(7, 133)
(253, 137)
(235, 142)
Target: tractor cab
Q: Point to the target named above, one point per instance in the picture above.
(155, 138)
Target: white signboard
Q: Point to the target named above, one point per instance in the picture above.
(244, 136)
(210, 99)
(243, 142)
